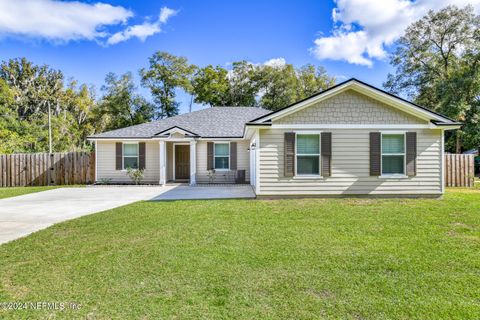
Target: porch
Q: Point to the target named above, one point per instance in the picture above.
(196, 162)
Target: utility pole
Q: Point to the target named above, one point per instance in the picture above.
(50, 155)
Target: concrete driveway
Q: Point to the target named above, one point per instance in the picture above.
(22, 215)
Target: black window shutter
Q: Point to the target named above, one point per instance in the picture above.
(141, 155)
(233, 156)
(375, 153)
(289, 154)
(118, 156)
(209, 155)
(411, 138)
(326, 149)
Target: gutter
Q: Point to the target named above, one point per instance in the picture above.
(447, 125)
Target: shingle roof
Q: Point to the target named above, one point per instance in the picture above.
(210, 122)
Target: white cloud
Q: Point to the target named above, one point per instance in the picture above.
(59, 20)
(142, 31)
(63, 21)
(364, 28)
(165, 14)
(275, 62)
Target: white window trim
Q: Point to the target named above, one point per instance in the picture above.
(309, 176)
(214, 156)
(404, 154)
(123, 154)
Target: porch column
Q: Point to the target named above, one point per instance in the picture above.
(163, 164)
(193, 162)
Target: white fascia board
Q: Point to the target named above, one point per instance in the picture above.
(250, 130)
(170, 139)
(222, 139)
(353, 126)
(198, 139)
(452, 127)
(176, 130)
(120, 139)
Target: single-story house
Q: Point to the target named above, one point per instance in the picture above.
(351, 139)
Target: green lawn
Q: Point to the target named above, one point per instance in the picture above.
(246, 259)
(18, 191)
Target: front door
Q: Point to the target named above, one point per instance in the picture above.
(182, 162)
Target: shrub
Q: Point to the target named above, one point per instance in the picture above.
(135, 174)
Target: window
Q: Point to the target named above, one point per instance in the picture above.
(308, 154)
(222, 156)
(393, 154)
(130, 155)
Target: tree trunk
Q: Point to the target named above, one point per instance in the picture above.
(458, 143)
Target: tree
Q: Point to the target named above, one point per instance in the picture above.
(243, 86)
(32, 89)
(81, 109)
(431, 60)
(35, 89)
(120, 105)
(210, 86)
(281, 86)
(166, 74)
(313, 80)
(217, 86)
(8, 137)
(247, 84)
(278, 86)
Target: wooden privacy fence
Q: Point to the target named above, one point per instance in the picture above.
(42, 169)
(459, 170)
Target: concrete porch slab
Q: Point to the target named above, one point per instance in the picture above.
(205, 192)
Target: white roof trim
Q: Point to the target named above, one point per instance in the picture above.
(176, 130)
(361, 88)
(354, 126)
(120, 139)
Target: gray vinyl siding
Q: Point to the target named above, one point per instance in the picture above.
(350, 167)
(106, 163)
(243, 162)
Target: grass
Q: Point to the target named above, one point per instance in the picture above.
(244, 259)
(18, 191)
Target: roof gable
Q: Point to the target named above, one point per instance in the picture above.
(363, 88)
(351, 108)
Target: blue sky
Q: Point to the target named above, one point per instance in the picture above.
(347, 37)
